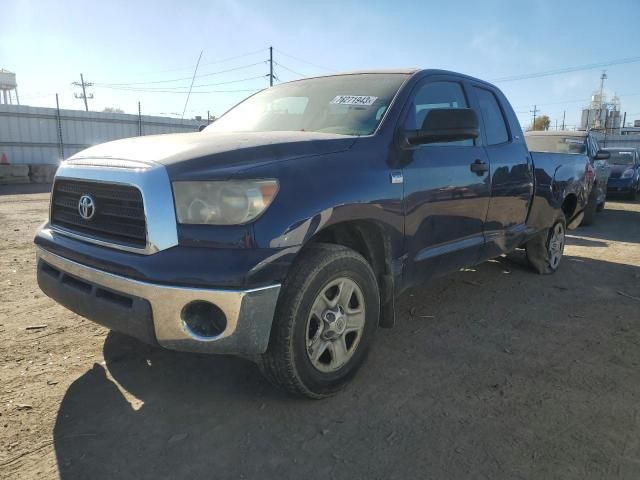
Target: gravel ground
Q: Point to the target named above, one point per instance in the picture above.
(493, 372)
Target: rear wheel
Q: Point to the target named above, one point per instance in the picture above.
(545, 251)
(327, 314)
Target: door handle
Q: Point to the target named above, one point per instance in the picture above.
(479, 167)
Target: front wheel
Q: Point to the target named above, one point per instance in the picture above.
(544, 251)
(327, 314)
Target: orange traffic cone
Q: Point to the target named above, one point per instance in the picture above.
(4, 160)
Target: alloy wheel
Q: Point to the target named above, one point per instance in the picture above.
(335, 325)
(556, 245)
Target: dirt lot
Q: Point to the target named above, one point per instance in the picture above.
(493, 372)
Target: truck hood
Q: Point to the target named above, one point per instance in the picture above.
(204, 153)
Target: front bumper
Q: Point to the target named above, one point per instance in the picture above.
(619, 185)
(153, 312)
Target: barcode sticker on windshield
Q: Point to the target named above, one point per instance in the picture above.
(364, 100)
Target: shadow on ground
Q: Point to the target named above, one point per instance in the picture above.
(25, 188)
(615, 224)
(495, 373)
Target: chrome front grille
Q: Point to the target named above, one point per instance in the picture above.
(119, 215)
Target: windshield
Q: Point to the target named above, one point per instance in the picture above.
(556, 144)
(621, 158)
(343, 104)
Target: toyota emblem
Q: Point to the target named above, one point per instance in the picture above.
(86, 207)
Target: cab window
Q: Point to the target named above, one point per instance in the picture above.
(440, 94)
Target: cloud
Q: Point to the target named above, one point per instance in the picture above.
(502, 48)
(568, 84)
(495, 45)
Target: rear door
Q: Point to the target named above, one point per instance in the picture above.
(445, 201)
(511, 172)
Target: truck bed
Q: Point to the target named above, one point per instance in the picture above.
(566, 175)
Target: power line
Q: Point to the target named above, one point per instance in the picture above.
(143, 90)
(181, 79)
(291, 70)
(182, 89)
(191, 87)
(230, 81)
(306, 61)
(558, 71)
(213, 62)
(621, 95)
(233, 58)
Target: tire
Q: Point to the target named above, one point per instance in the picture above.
(591, 209)
(544, 251)
(308, 355)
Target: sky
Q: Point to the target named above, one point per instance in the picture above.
(146, 51)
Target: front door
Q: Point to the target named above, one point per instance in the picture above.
(445, 202)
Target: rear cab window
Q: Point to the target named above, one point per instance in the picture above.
(494, 123)
(573, 144)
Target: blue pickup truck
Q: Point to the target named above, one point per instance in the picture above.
(285, 231)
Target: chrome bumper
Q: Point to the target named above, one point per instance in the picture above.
(249, 313)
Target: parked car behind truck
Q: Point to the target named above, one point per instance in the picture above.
(580, 143)
(285, 231)
(625, 172)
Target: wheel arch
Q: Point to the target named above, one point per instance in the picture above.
(570, 206)
(370, 239)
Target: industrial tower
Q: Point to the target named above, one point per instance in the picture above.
(8, 88)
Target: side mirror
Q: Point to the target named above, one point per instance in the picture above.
(201, 127)
(602, 155)
(445, 125)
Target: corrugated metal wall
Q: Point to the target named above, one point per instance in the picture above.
(29, 135)
(624, 141)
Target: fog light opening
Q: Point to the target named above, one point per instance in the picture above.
(203, 319)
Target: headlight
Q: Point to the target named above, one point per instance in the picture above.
(233, 202)
(627, 173)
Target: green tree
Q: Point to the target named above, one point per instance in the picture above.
(542, 123)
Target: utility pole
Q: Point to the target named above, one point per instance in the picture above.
(564, 114)
(535, 112)
(83, 95)
(271, 66)
(624, 121)
(603, 77)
